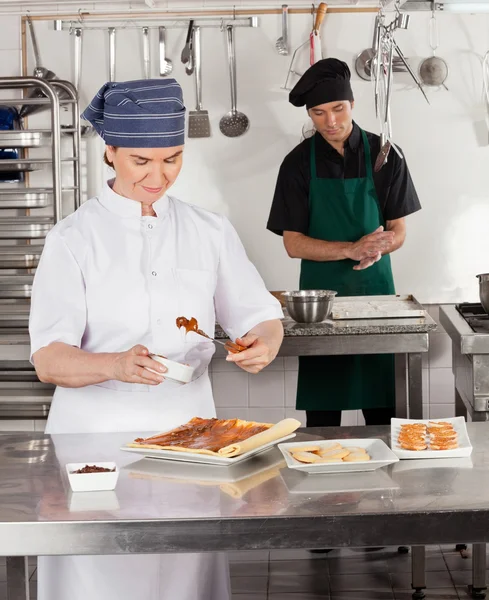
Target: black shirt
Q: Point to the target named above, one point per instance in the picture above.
(290, 208)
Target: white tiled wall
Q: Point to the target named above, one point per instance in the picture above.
(270, 395)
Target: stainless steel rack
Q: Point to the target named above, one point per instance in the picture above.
(22, 235)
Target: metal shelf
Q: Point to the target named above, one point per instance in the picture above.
(20, 257)
(16, 286)
(22, 101)
(26, 198)
(25, 227)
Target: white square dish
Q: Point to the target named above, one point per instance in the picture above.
(92, 482)
(380, 454)
(464, 446)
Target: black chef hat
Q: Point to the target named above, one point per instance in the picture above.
(328, 80)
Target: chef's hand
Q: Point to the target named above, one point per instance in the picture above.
(370, 245)
(367, 262)
(130, 367)
(256, 356)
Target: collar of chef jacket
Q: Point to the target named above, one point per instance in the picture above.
(127, 208)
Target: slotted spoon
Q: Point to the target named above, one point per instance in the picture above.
(234, 123)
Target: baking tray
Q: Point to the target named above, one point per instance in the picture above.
(25, 227)
(23, 165)
(24, 139)
(377, 307)
(464, 449)
(16, 286)
(26, 198)
(20, 257)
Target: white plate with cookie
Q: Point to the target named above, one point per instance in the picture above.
(452, 441)
(338, 456)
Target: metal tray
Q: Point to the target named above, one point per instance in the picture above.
(23, 165)
(25, 198)
(20, 257)
(25, 228)
(16, 286)
(24, 139)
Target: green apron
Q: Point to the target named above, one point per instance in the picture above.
(344, 210)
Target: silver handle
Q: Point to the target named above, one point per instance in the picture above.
(232, 67)
(78, 57)
(198, 68)
(162, 49)
(111, 53)
(34, 43)
(285, 11)
(146, 52)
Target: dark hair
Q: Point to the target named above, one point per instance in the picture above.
(107, 161)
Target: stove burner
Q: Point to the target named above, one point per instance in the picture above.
(475, 316)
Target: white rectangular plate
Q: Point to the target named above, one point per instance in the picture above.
(464, 449)
(381, 455)
(205, 459)
(330, 483)
(376, 307)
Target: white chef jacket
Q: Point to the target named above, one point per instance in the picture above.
(109, 279)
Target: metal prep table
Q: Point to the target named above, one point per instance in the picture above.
(407, 338)
(169, 509)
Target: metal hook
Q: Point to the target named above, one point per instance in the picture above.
(234, 12)
(221, 26)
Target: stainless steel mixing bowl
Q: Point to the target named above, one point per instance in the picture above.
(309, 306)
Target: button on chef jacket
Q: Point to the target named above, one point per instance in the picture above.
(393, 184)
(109, 279)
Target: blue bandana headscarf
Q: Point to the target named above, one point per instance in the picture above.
(139, 114)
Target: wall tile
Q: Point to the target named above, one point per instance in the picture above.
(426, 386)
(230, 389)
(233, 413)
(266, 389)
(266, 415)
(440, 353)
(442, 411)
(442, 387)
(291, 363)
(290, 388)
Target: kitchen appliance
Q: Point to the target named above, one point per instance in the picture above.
(468, 327)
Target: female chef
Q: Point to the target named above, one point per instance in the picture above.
(112, 279)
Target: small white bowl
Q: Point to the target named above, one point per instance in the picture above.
(92, 482)
(176, 371)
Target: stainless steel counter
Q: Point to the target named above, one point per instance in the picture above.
(159, 507)
(162, 508)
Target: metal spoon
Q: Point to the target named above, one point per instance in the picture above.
(282, 43)
(234, 123)
(166, 65)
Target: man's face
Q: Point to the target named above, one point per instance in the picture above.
(333, 120)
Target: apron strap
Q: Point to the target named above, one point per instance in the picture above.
(368, 159)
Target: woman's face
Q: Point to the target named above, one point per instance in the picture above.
(144, 174)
